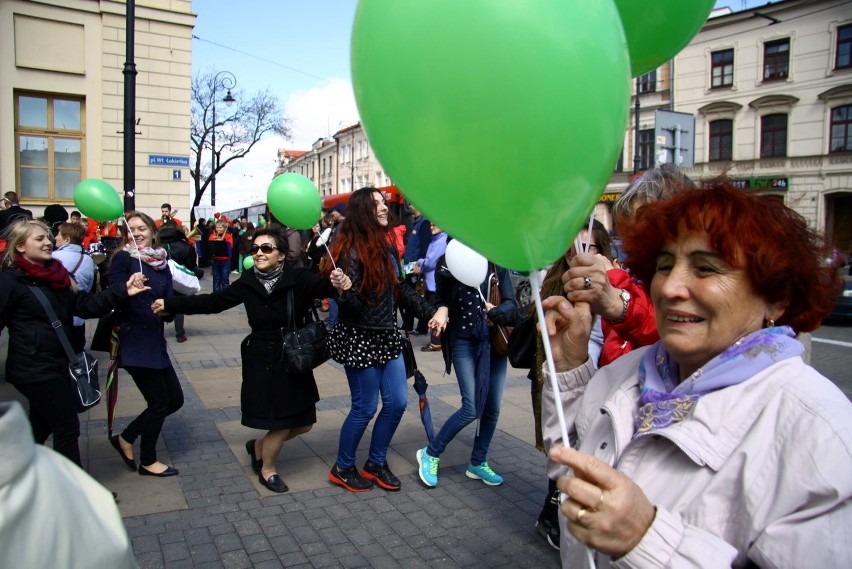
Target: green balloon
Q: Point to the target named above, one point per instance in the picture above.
(294, 200)
(97, 200)
(657, 30)
(248, 262)
(502, 119)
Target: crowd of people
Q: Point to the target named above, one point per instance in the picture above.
(685, 428)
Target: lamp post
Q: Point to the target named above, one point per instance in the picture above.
(228, 82)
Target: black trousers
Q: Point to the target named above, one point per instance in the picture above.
(53, 411)
(163, 394)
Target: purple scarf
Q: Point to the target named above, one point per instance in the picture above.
(663, 400)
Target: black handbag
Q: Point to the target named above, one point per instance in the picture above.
(82, 367)
(522, 343)
(304, 348)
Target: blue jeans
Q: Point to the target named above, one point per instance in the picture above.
(365, 386)
(221, 274)
(464, 360)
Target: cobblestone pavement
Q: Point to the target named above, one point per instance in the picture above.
(215, 514)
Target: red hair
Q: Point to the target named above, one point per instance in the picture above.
(783, 259)
(361, 232)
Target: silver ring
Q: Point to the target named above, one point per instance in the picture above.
(587, 283)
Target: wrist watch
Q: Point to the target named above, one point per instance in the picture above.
(625, 299)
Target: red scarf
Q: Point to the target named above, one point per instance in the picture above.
(53, 274)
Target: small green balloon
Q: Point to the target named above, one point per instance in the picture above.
(656, 31)
(294, 200)
(261, 221)
(248, 263)
(97, 200)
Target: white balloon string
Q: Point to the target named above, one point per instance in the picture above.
(329, 254)
(133, 239)
(535, 281)
(589, 232)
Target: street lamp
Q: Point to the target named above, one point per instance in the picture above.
(228, 82)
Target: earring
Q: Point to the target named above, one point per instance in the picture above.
(770, 322)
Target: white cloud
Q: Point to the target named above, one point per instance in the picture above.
(315, 113)
(320, 112)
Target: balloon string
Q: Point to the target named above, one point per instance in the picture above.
(132, 238)
(535, 281)
(333, 264)
(589, 232)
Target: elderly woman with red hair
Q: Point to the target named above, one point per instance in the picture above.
(716, 446)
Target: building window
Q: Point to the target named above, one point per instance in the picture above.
(773, 136)
(646, 149)
(843, 57)
(648, 82)
(721, 140)
(841, 129)
(722, 68)
(619, 165)
(49, 145)
(776, 59)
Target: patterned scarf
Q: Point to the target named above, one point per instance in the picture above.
(157, 258)
(664, 400)
(53, 273)
(269, 278)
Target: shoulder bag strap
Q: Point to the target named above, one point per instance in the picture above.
(291, 324)
(55, 322)
(79, 262)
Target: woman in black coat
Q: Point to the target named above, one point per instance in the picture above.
(36, 363)
(271, 399)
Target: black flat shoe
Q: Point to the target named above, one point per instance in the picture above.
(255, 463)
(274, 483)
(131, 464)
(169, 471)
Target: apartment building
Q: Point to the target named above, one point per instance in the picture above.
(61, 101)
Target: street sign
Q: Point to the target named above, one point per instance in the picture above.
(164, 160)
(176, 175)
(674, 137)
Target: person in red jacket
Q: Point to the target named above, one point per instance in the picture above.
(222, 245)
(621, 301)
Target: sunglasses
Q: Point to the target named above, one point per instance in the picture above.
(265, 248)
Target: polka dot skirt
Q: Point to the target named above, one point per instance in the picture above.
(360, 348)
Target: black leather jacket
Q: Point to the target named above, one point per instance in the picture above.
(369, 311)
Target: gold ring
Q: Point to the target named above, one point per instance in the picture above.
(580, 513)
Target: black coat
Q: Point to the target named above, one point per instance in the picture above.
(268, 394)
(35, 353)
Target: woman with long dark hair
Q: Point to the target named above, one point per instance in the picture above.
(367, 341)
(143, 352)
(36, 363)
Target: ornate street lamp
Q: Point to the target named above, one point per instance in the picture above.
(228, 81)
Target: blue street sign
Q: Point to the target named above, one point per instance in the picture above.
(176, 175)
(161, 160)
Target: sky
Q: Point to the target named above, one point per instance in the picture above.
(300, 51)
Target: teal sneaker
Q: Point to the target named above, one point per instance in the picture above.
(428, 468)
(482, 472)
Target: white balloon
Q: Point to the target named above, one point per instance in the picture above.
(466, 265)
(323, 238)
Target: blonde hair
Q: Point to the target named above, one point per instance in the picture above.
(17, 233)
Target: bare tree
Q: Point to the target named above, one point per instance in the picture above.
(238, 128)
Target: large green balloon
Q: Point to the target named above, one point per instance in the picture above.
(97, 200)
(657, 30)
(500, 119)
(294, 200)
